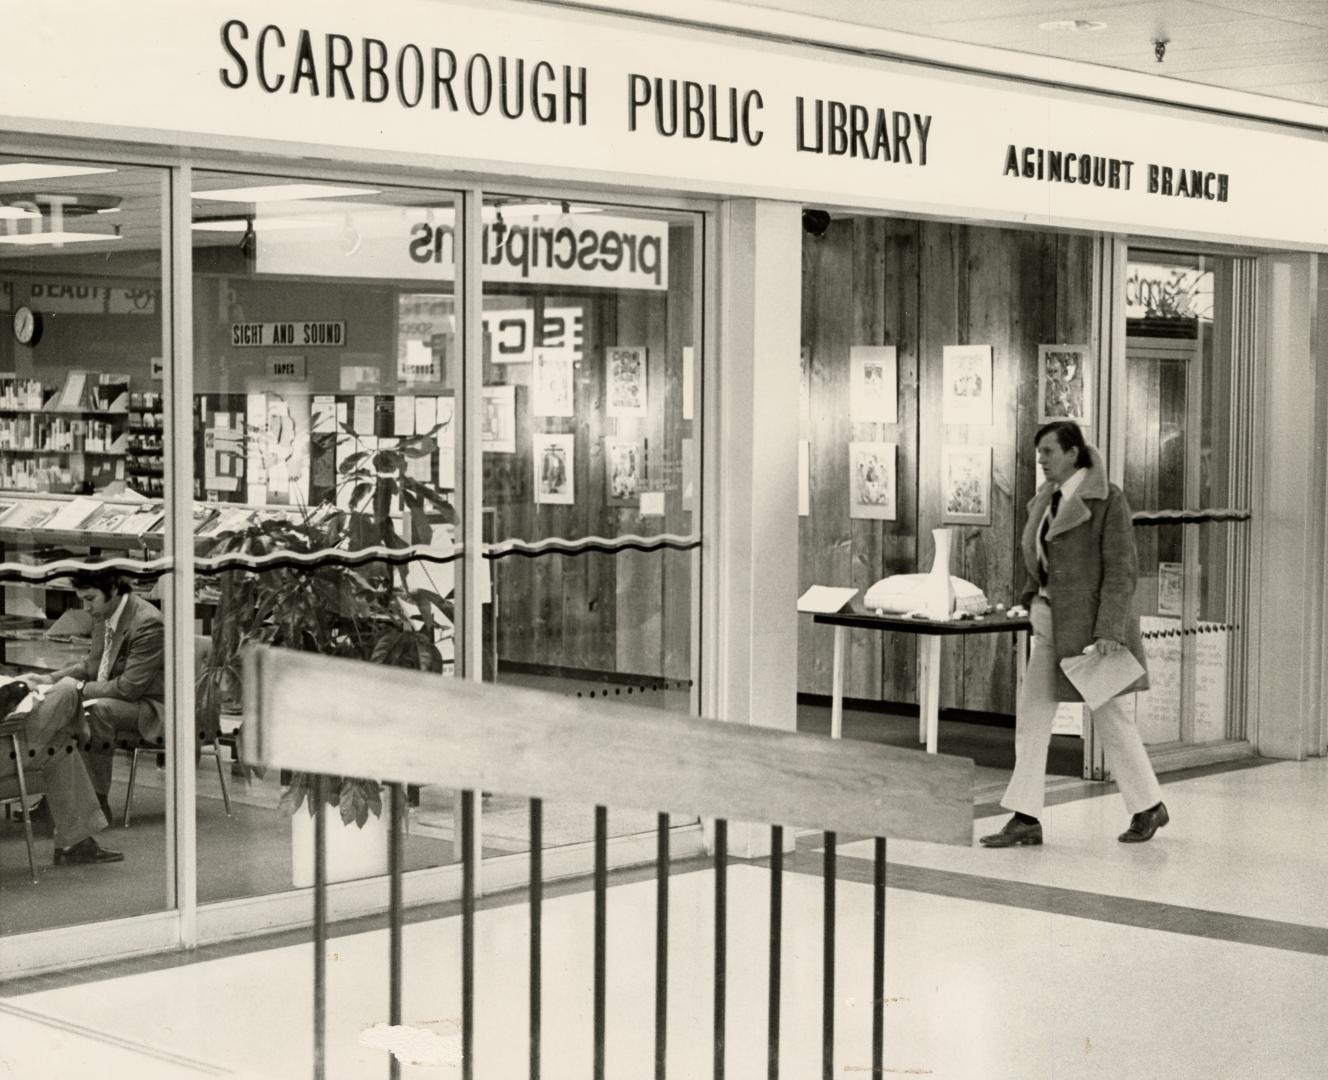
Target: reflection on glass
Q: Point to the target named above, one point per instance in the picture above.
(591, 488)
(1179, 378)
(325, 520)
(82, 525)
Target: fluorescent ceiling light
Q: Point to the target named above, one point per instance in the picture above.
(38, 170)
(38, 239)
(523, 211)
(1072, 26)
(281, 193)
(261, 224)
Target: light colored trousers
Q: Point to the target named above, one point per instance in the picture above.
(49, 726)
(1125, 753)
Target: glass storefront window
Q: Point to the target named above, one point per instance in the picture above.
(82, 451)
(1181, 367)
(327, 512)
(592, 376)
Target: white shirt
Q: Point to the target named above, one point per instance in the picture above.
(1067, 489)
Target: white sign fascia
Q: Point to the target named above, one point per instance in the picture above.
(537, 92)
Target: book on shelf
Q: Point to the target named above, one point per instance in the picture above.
(75, 514)
(143, 520)
(31, 514)
(228, 519)
(71, 394)
(109, 518)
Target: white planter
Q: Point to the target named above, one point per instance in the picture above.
(351, 852)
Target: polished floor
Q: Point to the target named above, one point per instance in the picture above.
(1203, 954)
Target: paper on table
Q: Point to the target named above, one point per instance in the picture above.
(1100, 678)
(825, 599)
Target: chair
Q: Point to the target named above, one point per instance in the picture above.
(23, 784)
(209, 732)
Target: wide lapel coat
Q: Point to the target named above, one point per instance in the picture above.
(1092, 569)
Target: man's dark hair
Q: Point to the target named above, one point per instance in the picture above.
(104, 581)
(1069, 436)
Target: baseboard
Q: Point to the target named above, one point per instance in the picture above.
(901, 708)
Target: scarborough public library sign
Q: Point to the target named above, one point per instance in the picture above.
(556, 93)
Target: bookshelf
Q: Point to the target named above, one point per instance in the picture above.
(67, 440)
(145, 454)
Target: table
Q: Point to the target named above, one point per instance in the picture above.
(929, 655)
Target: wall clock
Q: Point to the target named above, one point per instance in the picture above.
(27, 326)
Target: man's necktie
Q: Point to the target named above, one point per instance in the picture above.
(104, 668)
(1047, 519)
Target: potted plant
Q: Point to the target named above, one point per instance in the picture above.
(367, 611)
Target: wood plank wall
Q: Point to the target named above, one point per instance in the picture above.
(627, 613)
(920, 286)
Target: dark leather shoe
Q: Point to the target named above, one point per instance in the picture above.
(85, 853)
(1144, 824)
(1015, 834)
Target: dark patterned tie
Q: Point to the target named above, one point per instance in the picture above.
(1047, 519)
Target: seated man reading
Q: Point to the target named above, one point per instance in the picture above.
(119, 687)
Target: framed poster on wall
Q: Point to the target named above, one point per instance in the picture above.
(966, 485)
(1064, 387)
(554, 467)
(551, 391)
(623, 468)
(498, 434)
(966, 393)
(871, 480)
(625, 379)
(873, 384)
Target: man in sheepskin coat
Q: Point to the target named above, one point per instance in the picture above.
(1078, 548)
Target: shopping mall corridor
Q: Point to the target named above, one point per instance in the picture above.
(1203, 954)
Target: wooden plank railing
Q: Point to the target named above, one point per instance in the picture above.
(332, 716)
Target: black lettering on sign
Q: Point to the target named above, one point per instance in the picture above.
(697, 110)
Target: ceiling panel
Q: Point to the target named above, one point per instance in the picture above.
(1220, 43)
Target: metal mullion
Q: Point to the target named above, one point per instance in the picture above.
(469, 412)
(536, 931)
(177, 445)
(320, 926)
(395, 862)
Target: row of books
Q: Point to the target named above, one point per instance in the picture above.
(81, 515)
(123, 518)
(108, 393)
(38, 432)
(21, 394)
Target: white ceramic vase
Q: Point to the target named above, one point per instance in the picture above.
(938, 601)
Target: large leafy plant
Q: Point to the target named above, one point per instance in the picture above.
(365, 612)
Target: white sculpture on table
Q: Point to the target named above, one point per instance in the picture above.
(935, 595)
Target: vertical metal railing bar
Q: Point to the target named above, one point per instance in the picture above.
(536, 917)
(828, 963)
(878, 964)
(601, 931)
(661, 945)
(467, 935)
(721, 940)
(776, 946)
(397, 810)
(320, 927)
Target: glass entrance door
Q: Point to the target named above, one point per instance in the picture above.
(1186, 429)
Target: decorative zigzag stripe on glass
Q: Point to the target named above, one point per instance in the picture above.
(556, 545)
(208, 565)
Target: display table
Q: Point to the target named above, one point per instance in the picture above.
(929, 656)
